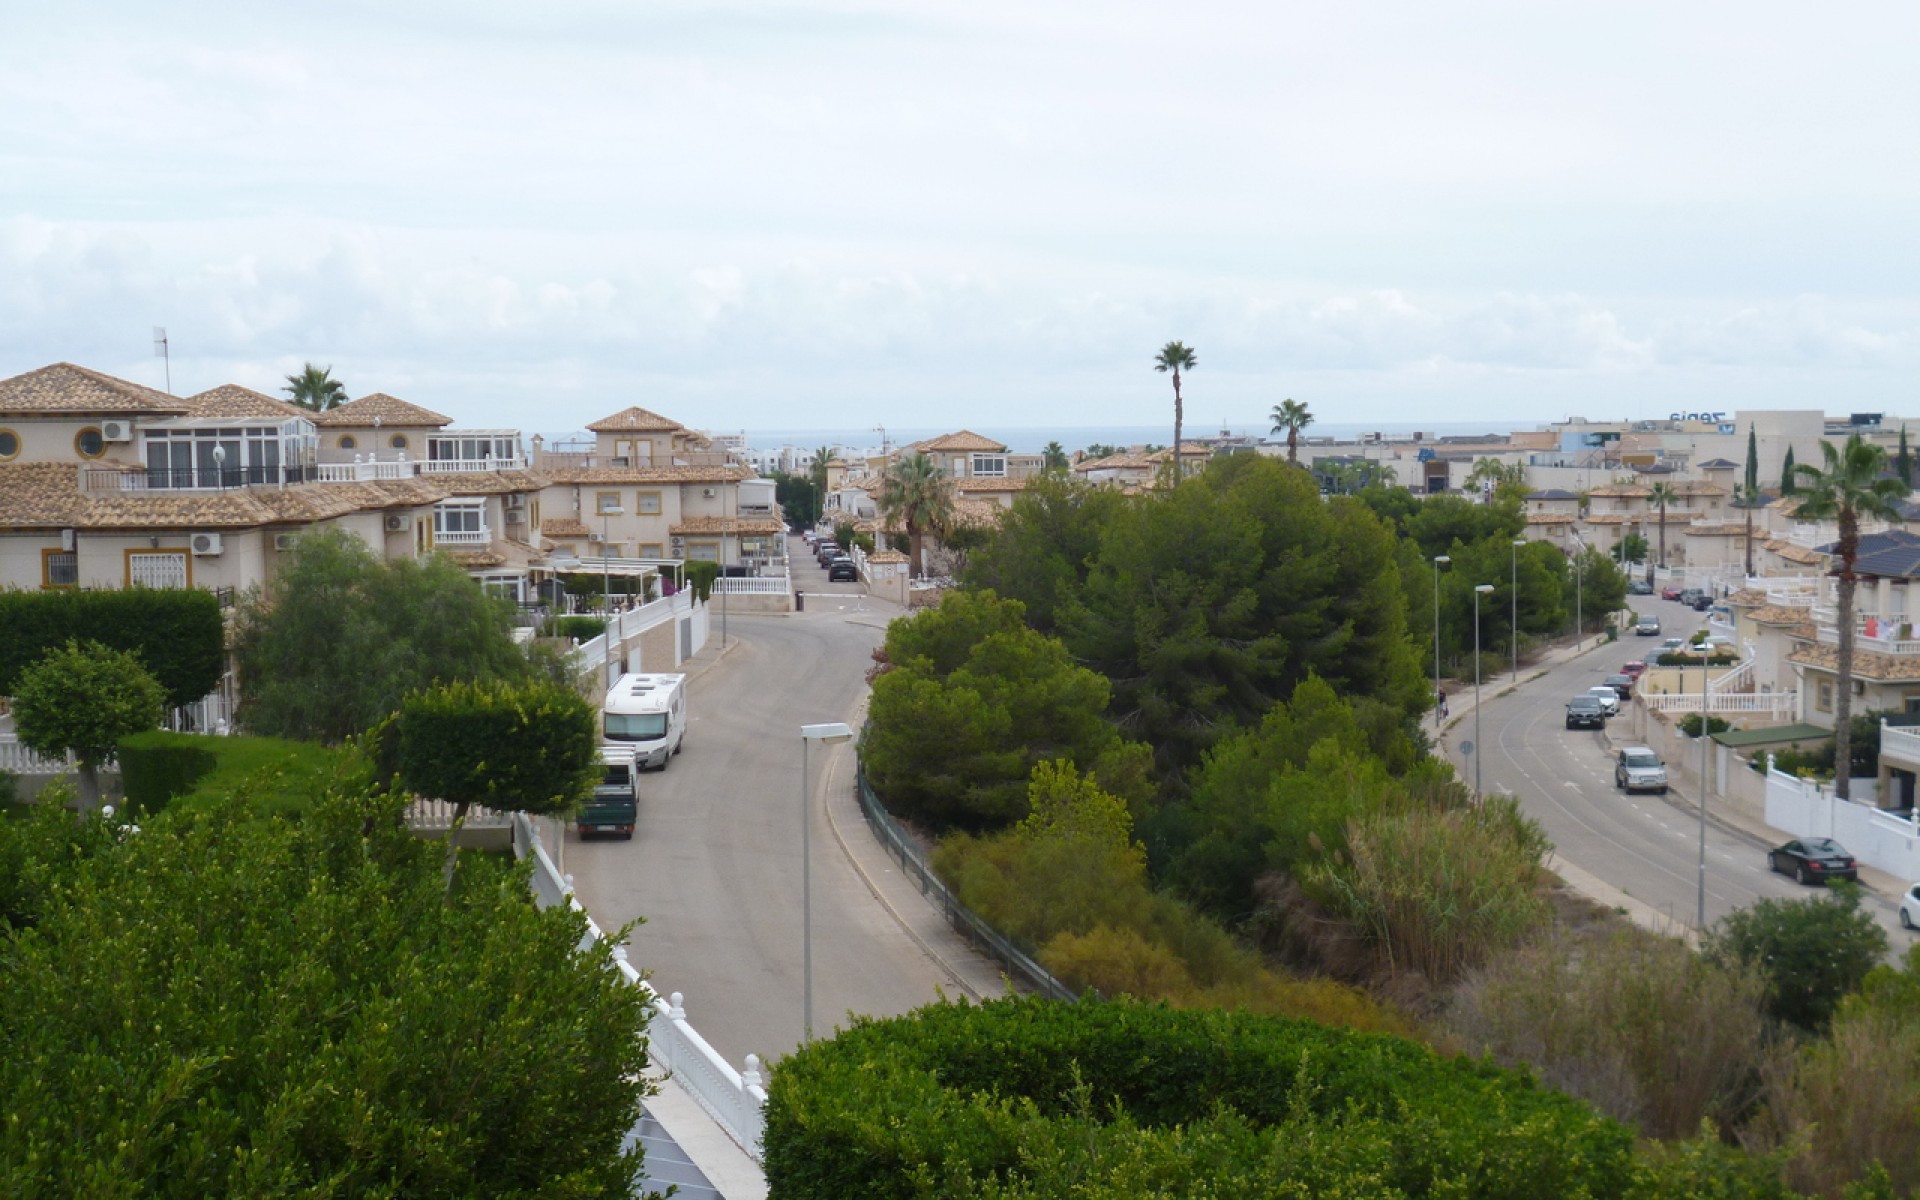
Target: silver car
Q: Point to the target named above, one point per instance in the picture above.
(1639, 769)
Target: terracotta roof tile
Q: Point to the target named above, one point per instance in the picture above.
(886, 556)
(640, 420)
(65, 388)
(390, 410)
(230, 400)
(1747, 597)
(564, 527)
(730, 473)
(962, 440)
(698, 525)
(977, 484)
(1885, 668)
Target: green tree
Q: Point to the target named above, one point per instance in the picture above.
(1811, 953)
(1176, 357)
(1850, 487)
(1748, 498)
(1752, 477)
(1786, 473)
(519, 747)
(1054, 458)
(229, 1006)
(817, 468)
(328, 648)
(1290, 417)
(799, 500)
(1659, 496)
(1903, 465)
(917, 494)
(972, 698)
(1044, 546)
(82, 699)
(1506, 481)
(315, 389)
(1630, 549)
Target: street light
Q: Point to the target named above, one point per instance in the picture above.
(831, 734)
(1439, 560)
(1515, 632)
(606, 588)
(1479, 750)
(1700, 904)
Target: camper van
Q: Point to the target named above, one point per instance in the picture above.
(647, 713)
(614, 806)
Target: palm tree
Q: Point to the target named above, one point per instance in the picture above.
(1291, 416)
(1054, 457)
(1176, 357)
(1850, 487)
(817, 471)
(915, 492)
(1661, 496)
(315, 389)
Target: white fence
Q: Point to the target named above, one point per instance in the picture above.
(592, 654)
(1875, 837)
(762, 585)
(1780, 705)
(16, 759)
(436, 815)
(734, 1099)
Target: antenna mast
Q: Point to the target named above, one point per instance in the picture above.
(160, 352)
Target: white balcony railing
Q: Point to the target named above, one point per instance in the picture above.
(462, 537)
(1900, 742)
(1775, 704)
(462, 466)
(362, 472)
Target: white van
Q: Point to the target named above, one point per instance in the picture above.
(648, 713)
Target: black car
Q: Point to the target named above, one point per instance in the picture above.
(1622, 685)
(1813, 860)
(1586, 712)
(1702, 602)
(1639, 587)
(843, 571)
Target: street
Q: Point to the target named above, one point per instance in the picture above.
(1647, 846)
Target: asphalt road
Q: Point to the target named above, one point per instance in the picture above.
(1645, 845)
(715, 866)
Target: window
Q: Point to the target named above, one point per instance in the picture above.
(161, 569)
(9, 444)
(647, 504)
(704, 552)
(89, 444)
(990, 465)
(959, 465)
(398, 441)
(348, 442)
(463, 522)
(651, 550)
(1823, 696)
(59, 568)
(607, 502)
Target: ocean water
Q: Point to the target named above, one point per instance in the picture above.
(1071, 437)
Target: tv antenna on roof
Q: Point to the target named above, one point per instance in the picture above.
(160, 352)
(884, 444)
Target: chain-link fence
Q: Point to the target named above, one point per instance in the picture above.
(983, 936)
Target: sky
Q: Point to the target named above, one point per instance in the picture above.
(988, 214)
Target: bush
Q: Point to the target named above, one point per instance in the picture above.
(178, 633)
(278, 776)
(1690, 725)
(1023, 1097)
(583, 629)
(157, 766)
(1844, 1105)
(700, 577)
(1634, 1023)
(1810, 953)
(1673, 659)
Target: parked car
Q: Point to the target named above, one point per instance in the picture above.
(1608, 698)
(1622, 686)
(1639, 587)
(1674, 645)
(1702, 602)
(1584, 712)
(843, 571)
(1813, 860)
(1648, 627)
(1639, 769)
(1635, 668)
(1670, 592)
(1689, 596)
(1910, 908)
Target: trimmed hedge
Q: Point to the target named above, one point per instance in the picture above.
(178, 633)
(1025, 1097)
(583, 628)
(157, 766)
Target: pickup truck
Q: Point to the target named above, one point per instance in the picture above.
(614, 806)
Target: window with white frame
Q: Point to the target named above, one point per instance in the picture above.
(160, 569)
(990, 465)
(460, 521)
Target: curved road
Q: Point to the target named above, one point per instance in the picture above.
(714, 865)
(1645, 845)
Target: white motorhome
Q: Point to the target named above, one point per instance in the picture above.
(648, 713)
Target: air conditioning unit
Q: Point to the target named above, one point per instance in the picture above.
(206, 543)
(707, 492)
(397, 523)
(516, 507)
(116, 431)
(285, 541)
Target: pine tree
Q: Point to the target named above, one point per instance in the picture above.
(1904, 464)
(1786, 474)
(1753, 461)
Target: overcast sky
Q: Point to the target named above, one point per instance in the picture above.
(984, 213)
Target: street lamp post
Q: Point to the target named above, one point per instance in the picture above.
(831, 734)
(1515, 631)
(1439, 560)
(1479, 750)
(606, 589)
(1700, 904)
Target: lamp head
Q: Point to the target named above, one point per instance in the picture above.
(1519, 541)
(1442, 560)
(1484, 587)
(832, 733)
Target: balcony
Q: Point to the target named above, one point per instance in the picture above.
(463, 537)
(1891, 636)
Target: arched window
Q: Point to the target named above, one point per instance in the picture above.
(348, 442)
(89, 443)
(399, 441)
(9, 444)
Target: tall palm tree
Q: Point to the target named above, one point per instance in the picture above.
(1848, 488)
(315, 389)
(915, 492)
(817, 471)
(1661, 496)
(1054, 457)
(1291, 416)
(1176, 357)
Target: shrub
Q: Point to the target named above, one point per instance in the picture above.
(1844, 1104)
(1690, 725)
(157, 766)
(1634, 1023)
(583, 629)
(276, 775)
(1810, 953)
(1672, 659)
(177, 633)
(1023, 1097)
(700, 577)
